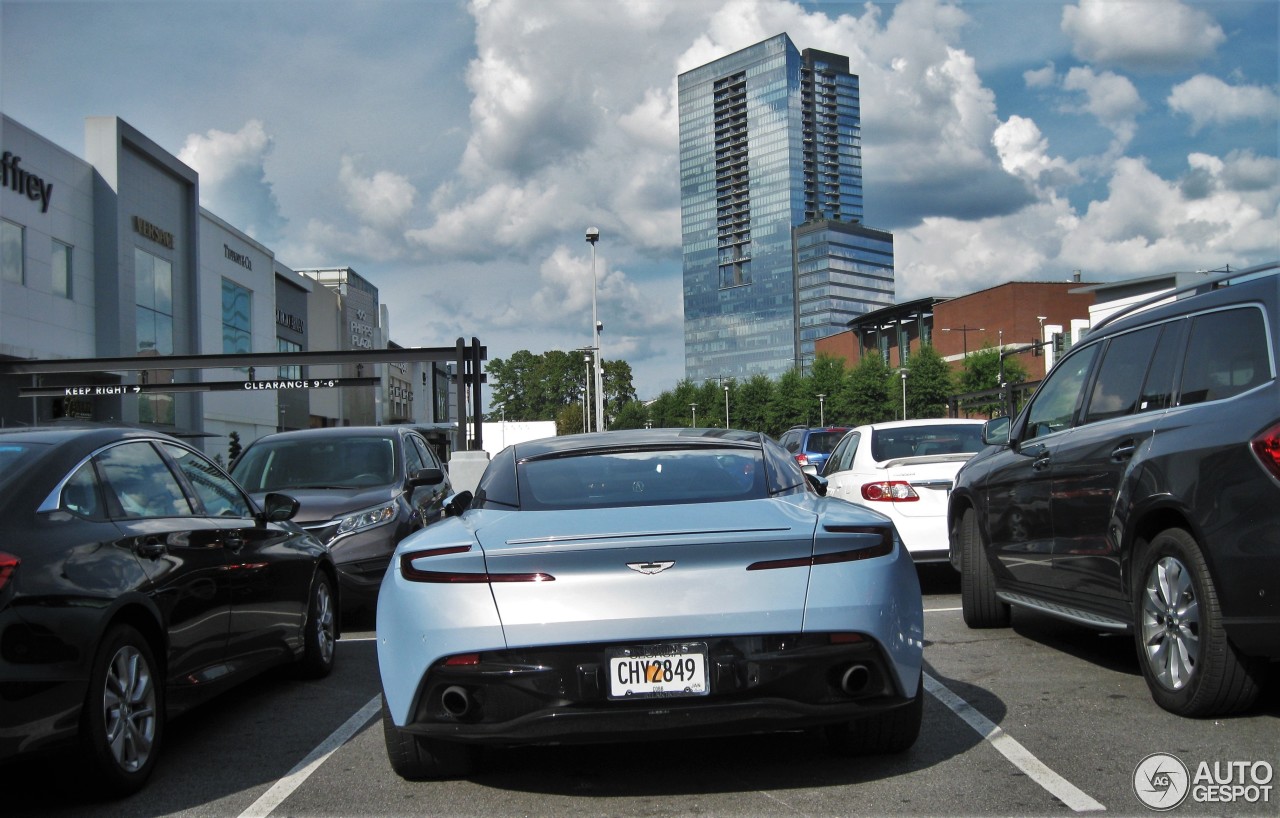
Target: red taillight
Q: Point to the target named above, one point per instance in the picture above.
(409, 572)
(8, 564)
(890, 491)
(877, 542)
(802, 459)
(1266, 446)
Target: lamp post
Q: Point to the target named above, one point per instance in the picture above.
(903, 372)
(822, 414)
(694, 407)
(586, 393)
(726, 406)
(593, 235)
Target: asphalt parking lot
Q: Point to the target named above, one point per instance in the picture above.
(1038, 719)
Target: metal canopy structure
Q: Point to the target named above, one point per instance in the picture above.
(467, 357)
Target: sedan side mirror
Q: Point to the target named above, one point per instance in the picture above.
(817, 482)
(279, 507)
(457, 504)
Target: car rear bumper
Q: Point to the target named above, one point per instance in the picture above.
(561, 695)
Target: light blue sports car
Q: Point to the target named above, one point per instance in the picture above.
(647, 584)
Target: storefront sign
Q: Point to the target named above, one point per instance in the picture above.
(239, 258)
(17, 179)
(148, 230)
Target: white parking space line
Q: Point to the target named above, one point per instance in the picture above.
(283, 788)
(1007, 746)
(942, 610)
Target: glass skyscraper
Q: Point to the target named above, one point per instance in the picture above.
(771, 203)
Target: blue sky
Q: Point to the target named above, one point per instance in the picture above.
(454, 152)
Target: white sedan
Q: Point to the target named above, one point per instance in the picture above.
(905, 469)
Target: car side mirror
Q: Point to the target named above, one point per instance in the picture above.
(817, 482)
(426, 477)
(279, 507)
(457, 504)
(995, 432)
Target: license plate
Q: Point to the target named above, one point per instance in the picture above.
(656, 671)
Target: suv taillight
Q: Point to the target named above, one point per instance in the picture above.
(8, 564)
(1267, 447)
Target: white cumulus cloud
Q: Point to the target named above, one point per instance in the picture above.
(1141, 34)
(1210, 101)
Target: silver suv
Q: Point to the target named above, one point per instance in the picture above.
(1138, 491)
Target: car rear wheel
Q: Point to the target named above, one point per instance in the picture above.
(124, 712)
(1187, 660)
(978, 601)
(321, 630)
(418, 758)
(891, 731)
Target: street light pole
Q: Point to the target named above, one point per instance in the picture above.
(822, 414)
(586, 394)
(904, 393)
(726, 406)
(694, 407)
(593, 235)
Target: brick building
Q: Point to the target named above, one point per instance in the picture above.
(1013, 314)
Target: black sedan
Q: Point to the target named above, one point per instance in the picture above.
(137, 580)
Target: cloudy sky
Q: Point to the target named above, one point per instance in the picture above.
(454, 152)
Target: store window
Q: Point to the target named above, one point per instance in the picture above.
(289, 373)
(154, 285)
(60, 261)
(11, 254)
(237, 313)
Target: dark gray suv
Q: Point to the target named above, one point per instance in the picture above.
(361, 490)
(1138, 491)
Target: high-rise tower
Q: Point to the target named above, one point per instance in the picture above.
(770, 142)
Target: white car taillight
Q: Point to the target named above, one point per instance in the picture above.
(889, 491)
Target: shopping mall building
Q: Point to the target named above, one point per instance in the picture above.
(111, 256)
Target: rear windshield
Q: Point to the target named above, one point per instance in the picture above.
(613, 479)
(823, 442)
(329, 462)
(924, 441)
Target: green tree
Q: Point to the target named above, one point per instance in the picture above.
(982, 371)
(569, 420)
(929, 385)
(632, 415)
(749, 403)
(538, 387)
(827, 378)
(619, 389)
(790, 404)
(871, 385)
(233, 447)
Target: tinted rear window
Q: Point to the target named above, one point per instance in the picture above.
(823, 442)
(1227, 354)
(664, 477)
(924, 441)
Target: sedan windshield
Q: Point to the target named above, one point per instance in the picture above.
(316, 463)
(925, 441)
(641, 478)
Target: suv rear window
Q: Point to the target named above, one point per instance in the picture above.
(1226, 355)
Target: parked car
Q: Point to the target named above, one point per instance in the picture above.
(1139, 491)
(905, 469)
(646, 584)
(137, 580)
(811, 445)
(362, 489)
